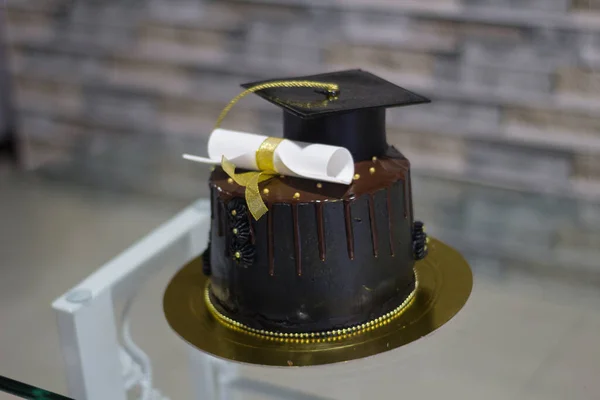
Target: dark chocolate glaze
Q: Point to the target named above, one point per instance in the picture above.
(388, 171)
(317, 263)
(407, 196)
(373, 225)
(297, 245)
(349, 233)
(390, 213)
(252, 239)
(320, 230)
(220, 219)
(270, 242)
(410, 199)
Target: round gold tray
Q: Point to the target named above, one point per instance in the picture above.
(444, 285)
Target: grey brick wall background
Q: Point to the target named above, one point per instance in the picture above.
(111, 92)
(515, 82)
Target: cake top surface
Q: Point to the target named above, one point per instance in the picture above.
(371, 176)
(358, 90)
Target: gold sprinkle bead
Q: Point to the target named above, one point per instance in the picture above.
(266, 191)
(238, 255)
(233, 212)
(235, 231)
(296, 195)
(319, 185)
(374, 159)
(229, 180)
(212, 168)
(356, 177)
(372, 170)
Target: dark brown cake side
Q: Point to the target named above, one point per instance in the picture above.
(324, 257)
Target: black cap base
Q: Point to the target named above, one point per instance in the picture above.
(362, 132)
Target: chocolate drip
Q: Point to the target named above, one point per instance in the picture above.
(320, 230)
(270, 242)
(252, 241)
(373, 225)
(390, 224)
(410, 196)
(406, 191)
(220, 219)
(297, 249)
(389, 169)
(226, 228)
(349, 233)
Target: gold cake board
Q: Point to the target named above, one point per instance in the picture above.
(444, 285)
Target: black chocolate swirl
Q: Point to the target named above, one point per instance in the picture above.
(419, 241)
(240, 229)
(242, 254)
(236, 209)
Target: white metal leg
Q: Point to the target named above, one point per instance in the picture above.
(205, 382)
(86, 320)
(89, 340)
(217, 379)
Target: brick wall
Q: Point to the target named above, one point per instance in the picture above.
(515, 83)
(112, 92)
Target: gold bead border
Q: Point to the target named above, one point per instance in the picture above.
(311, 337)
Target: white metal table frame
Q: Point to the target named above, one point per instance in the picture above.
(98, 365)
(470, 358)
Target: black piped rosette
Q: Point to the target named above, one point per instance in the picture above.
(236, 210)
(243, 253)
(240, 248)
(419, 241)
(240, 230)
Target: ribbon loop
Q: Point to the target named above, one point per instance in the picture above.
(265, 154)
(251, 179)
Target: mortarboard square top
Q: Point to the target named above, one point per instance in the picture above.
(354, 119)
(358, 90)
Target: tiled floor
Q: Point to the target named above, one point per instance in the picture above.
(521, 336)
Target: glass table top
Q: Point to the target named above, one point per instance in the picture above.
(534, 305)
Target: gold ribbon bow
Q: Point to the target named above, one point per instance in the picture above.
(266, 151)
(251, 179)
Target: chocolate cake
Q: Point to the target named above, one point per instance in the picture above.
(326, 256)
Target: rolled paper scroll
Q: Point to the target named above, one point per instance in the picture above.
(313, 161)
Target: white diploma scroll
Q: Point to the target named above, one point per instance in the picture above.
(318, 162)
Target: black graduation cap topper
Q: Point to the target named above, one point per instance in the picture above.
(354, 119)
